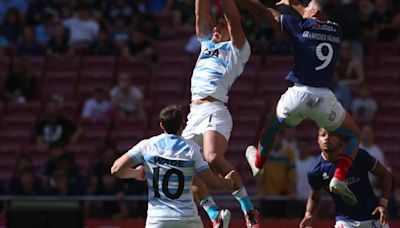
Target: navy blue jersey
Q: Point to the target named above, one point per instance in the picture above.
(316, 47)
(321, 173)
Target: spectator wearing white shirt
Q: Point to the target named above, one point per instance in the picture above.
(98, 106)
(303, 163)
(82, 28)
(364, 106)
(127, 99)
(368, 143)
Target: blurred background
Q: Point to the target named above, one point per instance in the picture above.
(83, 81)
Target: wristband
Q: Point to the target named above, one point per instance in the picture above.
(308, 214)
(383, 202)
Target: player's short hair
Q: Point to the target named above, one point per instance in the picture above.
(171, 118)
(326, 6)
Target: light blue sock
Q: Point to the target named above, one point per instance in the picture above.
(210, 207)
(244, 200)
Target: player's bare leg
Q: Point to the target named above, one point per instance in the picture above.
(220, 218)
(257, 157)
(350, 131)
(215, 146)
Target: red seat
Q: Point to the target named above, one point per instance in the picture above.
(15, 135)
(94, 137)
(82, 149)
(63, 64)
(31, 108)
(124, 123)
(10, 148)
(70, 109)
(5, 174)
(61, 83)
(95, 124)
(140, 65)
(19, 121)
(280, 62)
(105, 77)
(99, 63)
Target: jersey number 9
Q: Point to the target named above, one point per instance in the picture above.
(165, 181)
(321, 56)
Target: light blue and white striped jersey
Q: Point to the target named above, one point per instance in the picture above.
(170, 162)
(217, 68)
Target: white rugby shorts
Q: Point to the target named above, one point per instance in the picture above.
(210, 116)
(319, 104)
(174, 224)
(360, 224)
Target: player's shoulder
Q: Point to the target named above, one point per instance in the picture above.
(316, 165)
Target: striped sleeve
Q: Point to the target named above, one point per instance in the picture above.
(136, 153)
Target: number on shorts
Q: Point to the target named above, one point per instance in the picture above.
(320, 55)
(165, 181)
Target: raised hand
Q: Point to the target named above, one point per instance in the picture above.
(383, 219)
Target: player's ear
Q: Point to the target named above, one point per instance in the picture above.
(161, 126)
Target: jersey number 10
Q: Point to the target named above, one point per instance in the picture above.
(321, 56)
(165, 181)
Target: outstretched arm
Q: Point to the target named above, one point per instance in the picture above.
(385, 178)
(314, 199)
(257, 8)
(203, 18)
(294, 4)
(232, 17)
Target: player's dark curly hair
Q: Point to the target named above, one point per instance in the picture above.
(171, 118)
(326, 6)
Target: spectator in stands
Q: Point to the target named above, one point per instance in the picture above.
(278, 179)
(11, 29)
(349, 68)
(149, 28)
(54, 127)
(58, 44)
(110, 185)
(38, 8)
(368, 143)
(345, 14)
(139, 47)
(127, 99)
(341, 91)
(43, 30)
(19, 5)
(24, 181)
(26, 184)
(28, 46)
(23, 162)
(103, 166)
(66, 180)
(302, 164)
(182, 13)
(279, 44)
(121, 8)
(382, 20)
(98, 106)
(56, 149)
(119, 31)
(20, 84)
(364, 106)
(82, 27)
(289, 140)
(296, 207)
(102, 46)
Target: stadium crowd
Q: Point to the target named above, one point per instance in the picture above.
(71, 136)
